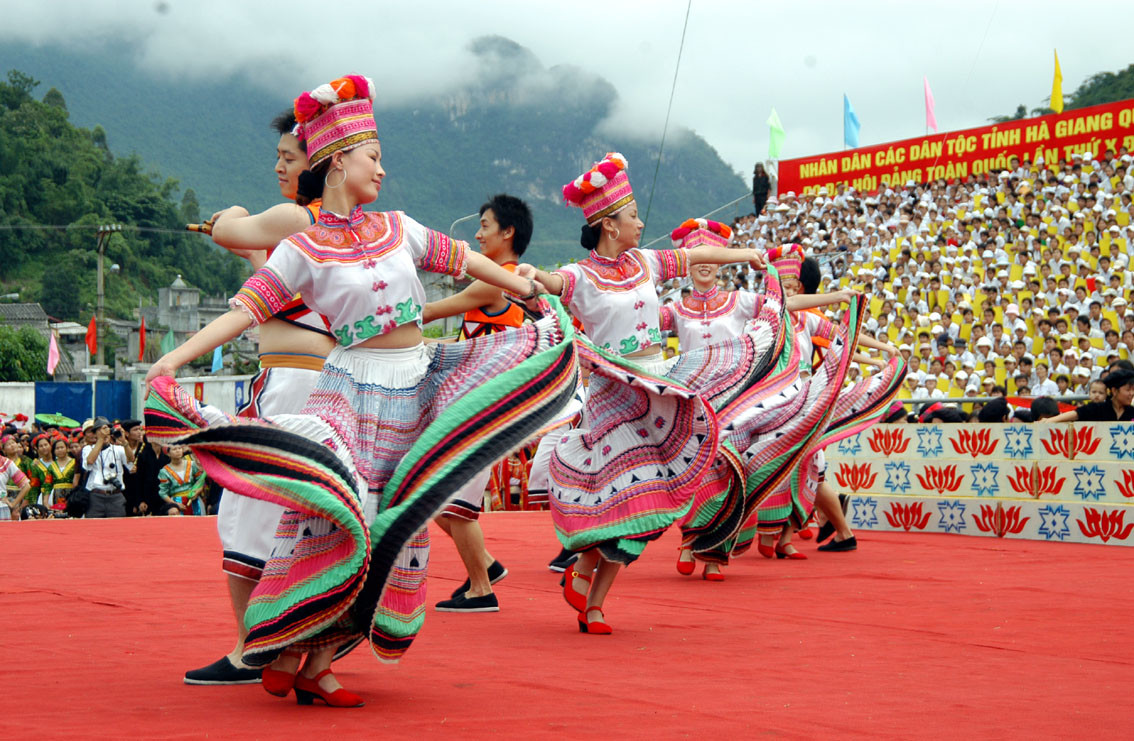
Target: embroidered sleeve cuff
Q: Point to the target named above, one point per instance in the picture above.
(568, 291)
(673, 263)
(666, 319)
(444, 255)
(262, 295)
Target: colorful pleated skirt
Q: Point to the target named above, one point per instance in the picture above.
(648, 452)
(386, 439)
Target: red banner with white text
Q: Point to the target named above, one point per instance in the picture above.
(958, 154)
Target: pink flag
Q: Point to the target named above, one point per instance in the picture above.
(52, 355)
(930, 119)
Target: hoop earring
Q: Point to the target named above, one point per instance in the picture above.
(327, 179)
(617, 234)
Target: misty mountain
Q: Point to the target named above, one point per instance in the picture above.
(519, 127)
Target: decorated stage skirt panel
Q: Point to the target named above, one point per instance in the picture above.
(1069, 482)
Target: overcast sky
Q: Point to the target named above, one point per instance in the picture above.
(740, 58)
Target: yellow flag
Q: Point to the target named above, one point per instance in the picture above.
(1057, 87)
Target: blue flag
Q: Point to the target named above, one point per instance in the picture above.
(218, 358)
(850, 124)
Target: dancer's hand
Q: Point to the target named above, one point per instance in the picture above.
(758, 261)
(161, 368)
(524, 270)
(533, 303)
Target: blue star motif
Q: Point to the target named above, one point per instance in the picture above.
(1122, 441)
(1053, 522)
(984, 479)
(897, 477)
(851, 445)
(865, 512)
(952, 516)
(1089, 482)
(929, 441)
(1017, 441)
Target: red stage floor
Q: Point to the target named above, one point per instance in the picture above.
(911, 636)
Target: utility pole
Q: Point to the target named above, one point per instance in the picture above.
(104, 232)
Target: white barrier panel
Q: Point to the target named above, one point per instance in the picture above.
(16, 398)
(1067, 482)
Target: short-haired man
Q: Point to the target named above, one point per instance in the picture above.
(504, 234)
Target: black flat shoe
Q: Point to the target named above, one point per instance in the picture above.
(496, 572)
(484, 603)
(222, 672)
(560, 563)
(838, 546)
(826, 530)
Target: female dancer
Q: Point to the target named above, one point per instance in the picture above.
(64, 471)
(709, 314)
(393, 428)
(647, 439)
(15, 481)
(853, 410)
(39, 471)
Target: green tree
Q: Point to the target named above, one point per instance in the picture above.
(54, 98)
(23, 354)
(56, 175)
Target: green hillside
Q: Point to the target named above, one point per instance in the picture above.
(54, 174)
(522, 128)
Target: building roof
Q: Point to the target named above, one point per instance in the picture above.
(23, 314)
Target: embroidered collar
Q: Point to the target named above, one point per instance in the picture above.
(705, 295)
(601, 260)
(333, 220)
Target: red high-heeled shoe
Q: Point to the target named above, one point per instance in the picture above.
(276, 682)
(712, 575)
(280, 683)
(685, 568)
(595, 628)
(577, 600)
(767, 551)
(781, 552)
(306, 690)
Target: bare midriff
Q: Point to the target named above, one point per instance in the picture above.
(407, 335)
(280, 337)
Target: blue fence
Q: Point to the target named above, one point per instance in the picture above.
(112, 399)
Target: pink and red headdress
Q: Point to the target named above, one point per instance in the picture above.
(786, 259)
(695, 232)
(336, 117)
(601, 191)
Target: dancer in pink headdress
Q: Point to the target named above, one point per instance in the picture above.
(393, 427)
(647, 438)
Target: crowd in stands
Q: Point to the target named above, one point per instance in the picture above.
(103, 469)
(1015, 283)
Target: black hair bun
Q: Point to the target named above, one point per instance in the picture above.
(309, 186)
(589, 236)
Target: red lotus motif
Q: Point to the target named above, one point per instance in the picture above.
(1126, 486)
(1105, 525)
(1037, 481)
(907, 516)
(855, 478)
(940, 479)
(888, 441)
(1072, 442)
(1000, 520)
(978, 444)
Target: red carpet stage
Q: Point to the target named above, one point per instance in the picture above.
(911, 636)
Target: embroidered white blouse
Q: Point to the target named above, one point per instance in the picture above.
(358, 272)
(701, 319)
(616, 299)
